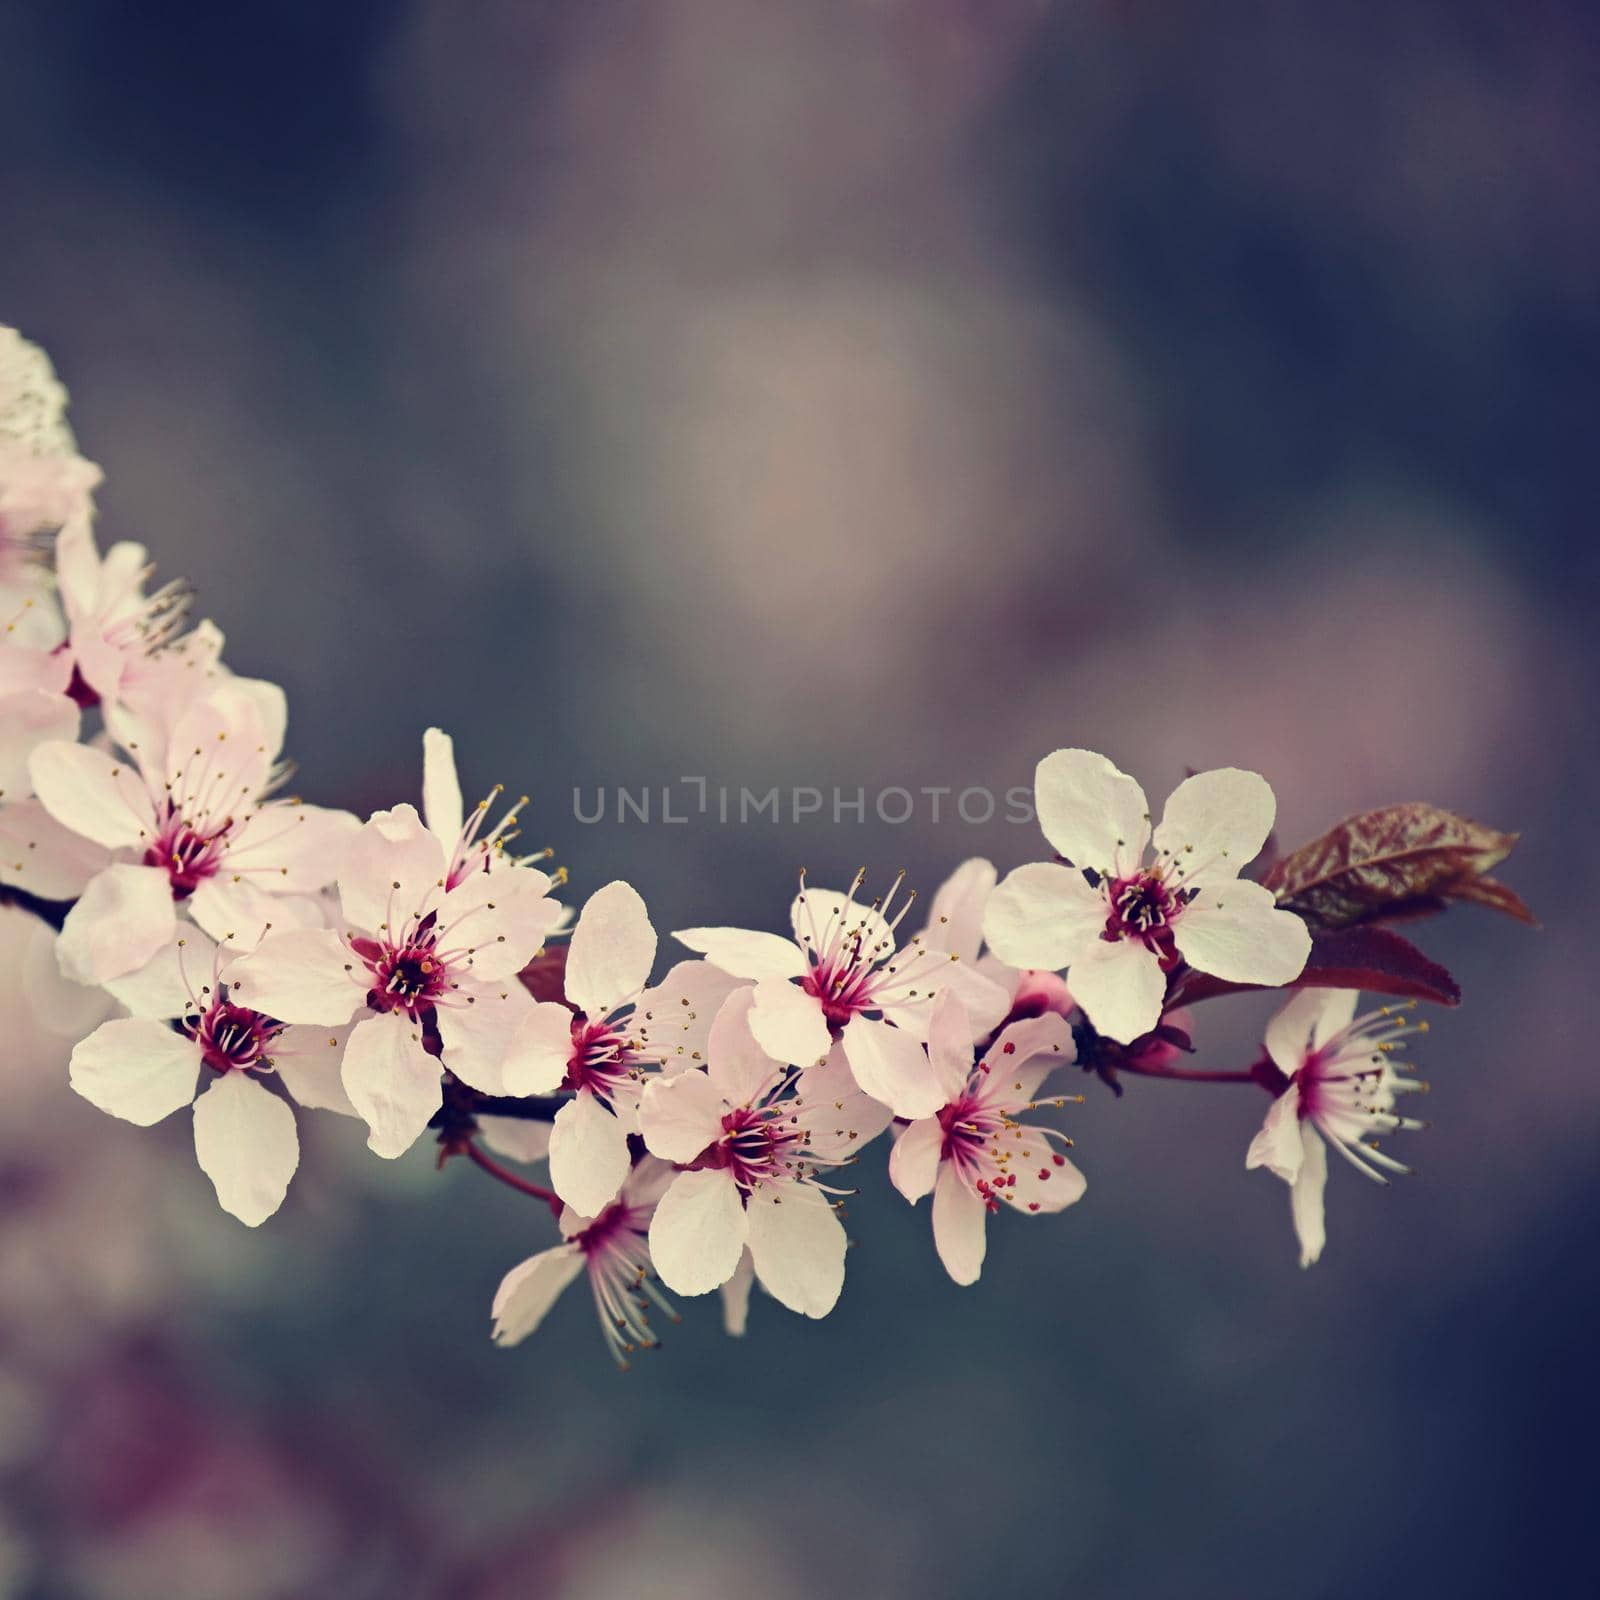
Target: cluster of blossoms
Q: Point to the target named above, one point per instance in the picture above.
(232, 949)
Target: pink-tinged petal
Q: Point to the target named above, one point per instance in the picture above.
(1235, 931)
(986, 1002)
(1120, 987)
(441, 788)
(1038, 1046)
(817, 915)
(674, 1018)
(959, 1234)
(66, 1009)
(1039, 1179)
(121, 920)
(745, 953)
(480, 1035)
(788, 1023)
(31, 721)
(1043, 915)
(736, 1296)
(1215, 823)
(1094, 814)
(955, 919)
(698, 1232)
(516, 1138)
(136, 1069)
(290, 848)
(528, 1291)
(739, 1067)
(536, 1060)
(89, 792)
(838, 1119)
(914, 1161)
(310, 1062)
(40, 856)
(1278, 1146)
(392, 848)
(173, 982)
(679, 1116)
(1337, 1013)
(1306, 1198)
(798, 1246)
(501, 918)
(237, 913)
(1293, 1032)
(392, 1082)
(588, 1154)
(613, 948)
(891, 1067)
(24, 671)
(950, 1045)
(246, 1144)
(301, 975)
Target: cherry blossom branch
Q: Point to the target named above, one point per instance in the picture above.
(488, 1164)
(1263, 1073)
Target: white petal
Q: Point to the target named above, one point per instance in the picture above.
(301, 975)
(674, 1018)
(1120, 987)
(310, 1061)
(1094, 814)
(441, 789)
(1215, 823)
(914, 1161)
(613, 948)
(698, 1232)
(392, 1082)
(1306, 1198)
(479, 1036)
(292, 848)
(40, 856)
(744, 953)
(818, 915)
(246, 1144)
(893, 1068)
(955, 919)
(501, 917)
(517, 1138)
(1235, 931)
(736, 1296)
(121, 920)
(172, 981)
(839, 1121)
(32, 720)
(89, 792)
(788, 1023)
(1302, 1025)
(1045, 1182)
(61, 1007)
(985, 1001)
(1043, 915)
(536, 1061)
(950, 1045)
(588, 1154)
(739, 1067)
(798, 1246)
(959, 1235)
(1038, 1046)
(1277, 1146)
(136, 1069)
(235, 911)
(528, 1290)
(679, 1116)
(391, 848)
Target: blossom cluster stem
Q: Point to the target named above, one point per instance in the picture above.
(480, 1158)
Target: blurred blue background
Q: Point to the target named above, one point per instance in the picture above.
(858, 393)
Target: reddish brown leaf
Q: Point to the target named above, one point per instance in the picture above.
(1374, 959)
(1398, 861)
